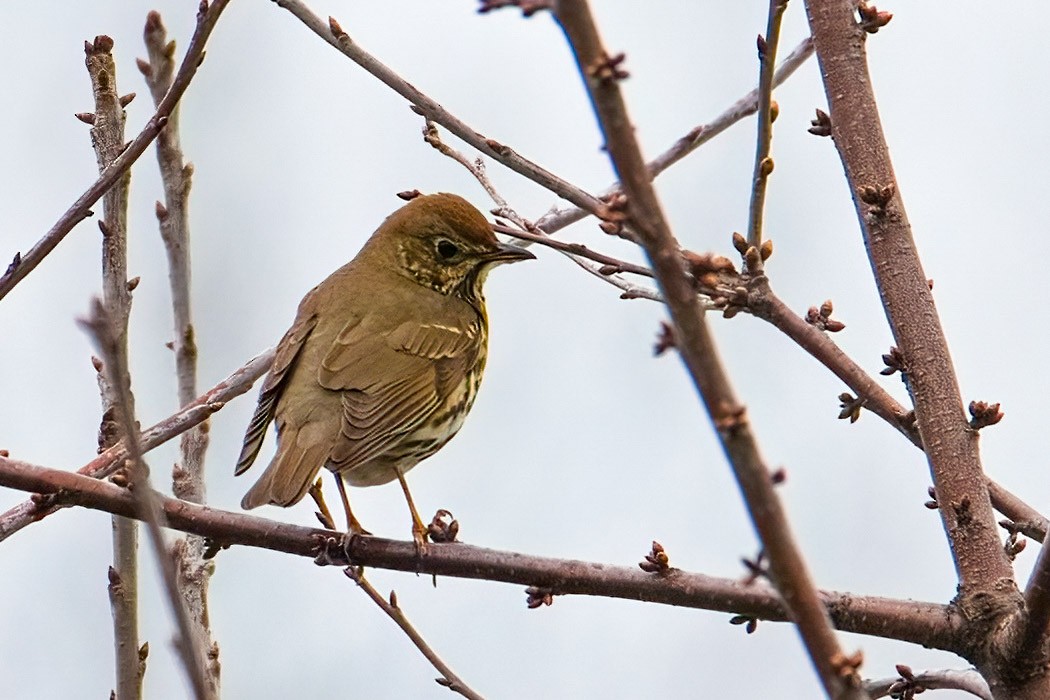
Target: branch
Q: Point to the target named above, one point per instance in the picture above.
(332, 33)
(106, 463)
(448, 678)
(207, 16)
(173, 217)
(951, 445)
(145, 499)
(601, 73)
(107, 138)
(969, 681)
(747, 105)
(928, 624)
(767, 55)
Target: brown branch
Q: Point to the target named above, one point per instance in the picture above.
(207, 16)
(107, 139)
(601, 72)
(332, 33)
(449, 679)
(173, 218)
(951, 446)
(928, 624)
(699, 135)
(909, 684)
(106, 463)
(767, 55)
(147, 508)
(1036, 625)
(988, 594)
(527, 232)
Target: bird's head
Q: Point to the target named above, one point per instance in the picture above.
(442, 242)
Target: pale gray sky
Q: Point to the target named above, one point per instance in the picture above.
(580, 444)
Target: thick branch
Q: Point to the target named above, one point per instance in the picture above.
(928, 624)
(601, 73)
(951, 445)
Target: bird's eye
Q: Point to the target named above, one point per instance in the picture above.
(447, 249)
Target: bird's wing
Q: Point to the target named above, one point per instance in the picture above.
(391, 382)
(287, 352)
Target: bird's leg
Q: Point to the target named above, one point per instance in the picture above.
(323, 514)
(353, 525)
(419, 529)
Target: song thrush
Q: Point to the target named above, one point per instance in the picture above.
(384, 358)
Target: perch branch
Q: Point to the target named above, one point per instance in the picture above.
(928, 624)
(106, 463)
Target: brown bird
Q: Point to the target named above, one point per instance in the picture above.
(384, 358)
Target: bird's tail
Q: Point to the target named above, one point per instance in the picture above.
(292, 470)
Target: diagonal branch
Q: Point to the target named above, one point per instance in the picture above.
(207, 16)
(145, 499)
(951, 445)
(106, 463)
(601, 73)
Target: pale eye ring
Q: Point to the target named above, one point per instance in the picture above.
(447, 249)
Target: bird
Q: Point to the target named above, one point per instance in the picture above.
(383, 360)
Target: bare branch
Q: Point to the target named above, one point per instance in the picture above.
(448, 678)
(969, 681)
(928, 624)
(951, 446)
(767, 56)
(601, 72)
(332, 33)
(81, 209)
(173, 217)
(107, 138)
(557, 219)
(106, 463)
(145, 498)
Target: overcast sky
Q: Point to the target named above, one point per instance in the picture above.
(581, 444)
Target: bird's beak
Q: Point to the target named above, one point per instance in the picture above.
(507, 253)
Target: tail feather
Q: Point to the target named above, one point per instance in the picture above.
(291, 472)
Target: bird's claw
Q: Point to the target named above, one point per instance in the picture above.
(443, 528)
(333, 551)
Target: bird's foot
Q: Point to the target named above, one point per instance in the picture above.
(443, 528)
(334, 551)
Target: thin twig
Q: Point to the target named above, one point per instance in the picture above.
(173, 218)
(967, 680)
(557, 219)
(449, 679)
(107, 138)
(601, 73)
(332, 33)
(608, 268)
(767, 56)
(928, 624)
(106, 463)
(207, 16)
(188, 644)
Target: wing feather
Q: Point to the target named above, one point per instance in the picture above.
(391, 384)
(288, 351)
